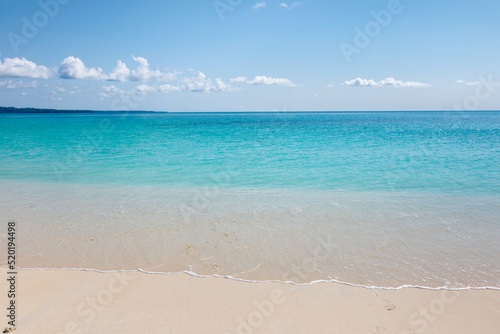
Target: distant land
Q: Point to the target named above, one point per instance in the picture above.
(13, 110)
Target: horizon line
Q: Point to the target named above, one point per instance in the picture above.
(5, 110)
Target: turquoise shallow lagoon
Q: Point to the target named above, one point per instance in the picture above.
(389, 198)
(425, 152)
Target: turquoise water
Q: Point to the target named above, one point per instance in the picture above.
(424, 151)
(398, 197)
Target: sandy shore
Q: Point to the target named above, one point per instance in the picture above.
(89, 302)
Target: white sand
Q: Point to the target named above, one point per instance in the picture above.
(74, 302)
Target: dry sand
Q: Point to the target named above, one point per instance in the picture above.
(58, 301)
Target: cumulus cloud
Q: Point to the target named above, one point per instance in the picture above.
(290, 6)
(10, 84)
(238, 79)
(120, 73)
(197, 83)
(201, 83)
(74, 68)
(23, 68)
(358, 82)
(259, 5)
(144, 89)
(108, 91)
(143, 73)
(166, 88)
(263, 80)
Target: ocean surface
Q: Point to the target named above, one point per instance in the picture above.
(383, 199)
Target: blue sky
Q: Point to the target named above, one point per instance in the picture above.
(242, 55)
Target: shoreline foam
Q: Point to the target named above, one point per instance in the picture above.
(193, 274)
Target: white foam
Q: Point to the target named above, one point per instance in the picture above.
(191, 273)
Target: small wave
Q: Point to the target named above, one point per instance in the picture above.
(191, 273)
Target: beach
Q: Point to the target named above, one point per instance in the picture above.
(217, 223)
(249, 167)
(58, 301)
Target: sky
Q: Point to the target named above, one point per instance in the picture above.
(244, 55)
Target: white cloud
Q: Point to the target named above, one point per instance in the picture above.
(263, 80)
(200, 83)
(259, 5)
(473, 83)
(144, 89)
(120, 73)
(143, 73)
(74, 68)
(386, 82)
(168, 88)
(170, 76)
(203, 84)
(18, 84)
(361, 82)
(290, 6)
(238, 79)
(111, 90)
(197, 83)
(23, 68)
(108, 91)
(58, 90)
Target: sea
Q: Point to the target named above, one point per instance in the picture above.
(373, 199)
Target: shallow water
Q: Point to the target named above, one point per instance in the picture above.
(377, 199)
